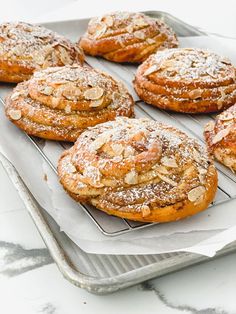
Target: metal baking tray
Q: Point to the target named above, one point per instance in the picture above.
(106, 273)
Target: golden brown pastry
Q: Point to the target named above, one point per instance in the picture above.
(59, 103)
(25, 48)
(187, 80)
(139, 169)
(220, 136)
(126, 37)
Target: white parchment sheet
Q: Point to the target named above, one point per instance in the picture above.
(205, 233)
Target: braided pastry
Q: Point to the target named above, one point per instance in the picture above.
(25, 48)
(59, 103)
(187, 80)
(221, 137)
(126, 37)
(139, 169)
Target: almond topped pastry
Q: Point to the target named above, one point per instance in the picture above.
(220, 136)
(25, 48)
(59, 103)
(187, 80)
(126, 37)
(139, 169)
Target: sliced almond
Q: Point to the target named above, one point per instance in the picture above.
(139, 35)
(15, 114)
(108, 20)
(67, 109)
(209, 126)
(70, 168)
(196, 194)
(150, 41)
(71, 93)
(47, 90)
(129, 151)
(169, 162)
(39, 58)
(196, 93)
(100, 141)
(161, 169)
(145, 211)
(96, 103)
(221, 134)
(15, 95)
(131, 177)
(65, 56)
(226, 116)
(130, 29)
(167, 180)
(93, 176)
(100, 30)
(197, 156)
(139, 21)
(117, 149)
(151, 70)
(93, 93)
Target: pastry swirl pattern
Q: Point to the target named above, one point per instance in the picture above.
(59, 103)
(25, 48)
(187, 80)
(139, 169)
(126, 37)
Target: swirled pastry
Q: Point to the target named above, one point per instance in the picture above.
(126, 37)
(59, 103)
(139, 169)
(25, 48)
(220, 136)
(187, 80)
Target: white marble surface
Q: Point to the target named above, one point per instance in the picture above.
(30, 282)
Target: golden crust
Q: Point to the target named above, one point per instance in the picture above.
(187, 80)
(25, 48)
(59, 103)
(220, 136)
(140, 170)
(126, 37)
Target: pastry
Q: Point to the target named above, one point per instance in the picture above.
(220, 136)
(58, 103)
(139, 169)
(187, 80)
(126, 37)
(25, 48)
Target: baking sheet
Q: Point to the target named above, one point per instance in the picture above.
(203, 233)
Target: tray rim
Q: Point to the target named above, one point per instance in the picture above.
(94, 284)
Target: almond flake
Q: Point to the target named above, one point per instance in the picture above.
(169, 162)
(220, 135)
(151, 70)
(67, 109)
(15, 95)
(139, 21)
(226, 116)
(100, 141)
(139, 35)
(131, 177)
(108, 20)
(70, 168)
(196, 93)
(129, 151)
(197, 156)
(47, 90)
(93, 176)
(15, 114)
(161, 169)
(64, 56)
(196, 193)
(130, 29)
(117, 149)
(145, 211)
(167, 180)
(150, 41)
(101, 29)
(209, 126)
(96, 103)
(93, 93)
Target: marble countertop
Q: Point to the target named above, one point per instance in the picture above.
(30, 282)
